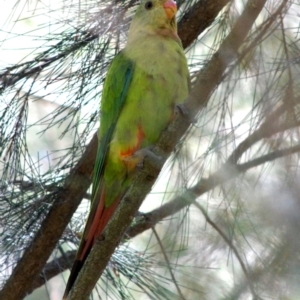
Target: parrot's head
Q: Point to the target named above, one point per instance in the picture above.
(153, 16)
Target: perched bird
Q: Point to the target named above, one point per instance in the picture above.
(144, 83)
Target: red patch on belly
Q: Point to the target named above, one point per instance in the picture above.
(137, 146)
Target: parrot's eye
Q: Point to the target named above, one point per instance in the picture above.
(148, 5)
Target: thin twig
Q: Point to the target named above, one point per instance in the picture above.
(168, 263)
(229, 243)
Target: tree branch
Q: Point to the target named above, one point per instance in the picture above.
(199, 17)
(54, 268)
(204, 185)
(65, 204)
(170, 208)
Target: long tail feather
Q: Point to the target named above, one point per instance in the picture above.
(92, 231)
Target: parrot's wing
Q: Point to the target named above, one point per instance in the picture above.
(114, 94)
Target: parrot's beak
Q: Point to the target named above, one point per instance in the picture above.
(170, 8)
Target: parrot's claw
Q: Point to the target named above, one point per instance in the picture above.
(137, 159)
(181, 109)
(139, 214)
(148, 152)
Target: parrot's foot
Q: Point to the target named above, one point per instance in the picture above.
(139, 214)
(136, 161)
(139, 217)
(148, 152)
(181, 109)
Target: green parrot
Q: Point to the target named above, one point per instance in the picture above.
(144, 83)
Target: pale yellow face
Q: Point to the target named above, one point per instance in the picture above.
(156, 14)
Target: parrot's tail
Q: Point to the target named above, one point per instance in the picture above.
(77, 265)
(92, 231)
